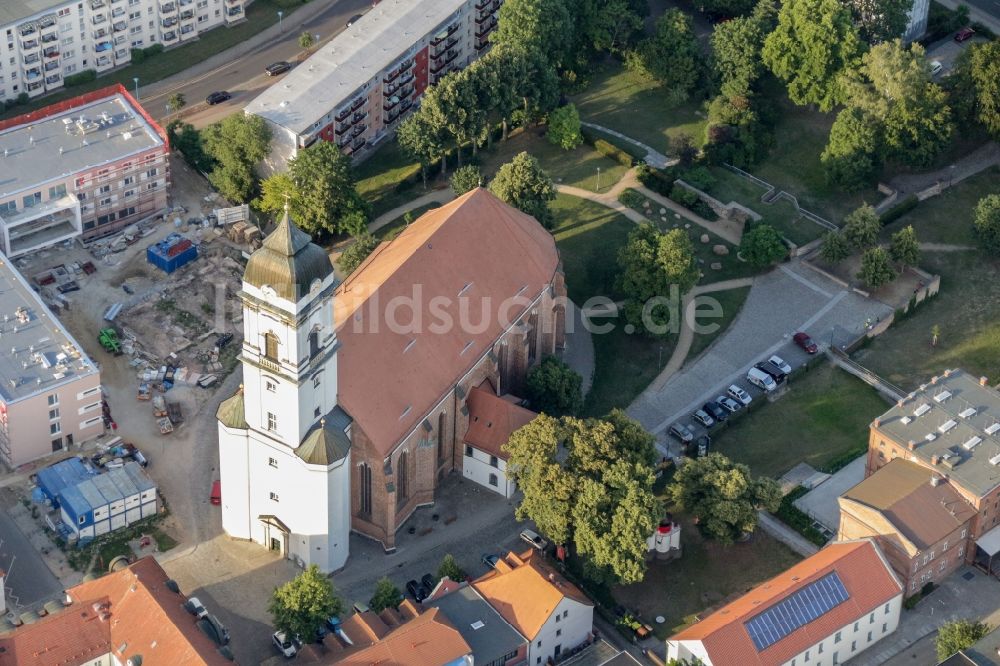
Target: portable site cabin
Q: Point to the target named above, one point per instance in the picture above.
(63, 474)
(171, 253)
(109, 501)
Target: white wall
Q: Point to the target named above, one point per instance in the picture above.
(235, 478)
(689, 650)
(477, 468)
(573, 626)
(855, 637)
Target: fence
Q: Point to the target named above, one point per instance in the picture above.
(773, 194)
(844, 361)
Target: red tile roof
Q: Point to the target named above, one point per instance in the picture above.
(493, 419)
(865, 574)
(127, 613)
(427, 640)
(475, 248)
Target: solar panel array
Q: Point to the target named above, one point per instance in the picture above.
(797, 610)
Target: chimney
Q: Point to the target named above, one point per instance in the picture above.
(877, 422)
(910, 445)
(936, 481)
(983, 381)
(934, 379)
(935, 459)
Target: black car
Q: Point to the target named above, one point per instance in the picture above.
(429, 582)
(416, 590)
(354, 19)
(279, 67)
(699, 447)
(218, 97)
(769, 368)
(716, 410)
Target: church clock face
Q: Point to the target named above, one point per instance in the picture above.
(268, 291)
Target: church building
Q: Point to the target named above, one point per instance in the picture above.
(355, 402)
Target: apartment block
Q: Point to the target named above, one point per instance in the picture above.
(86, 168)
(47, 40)
(356, 89)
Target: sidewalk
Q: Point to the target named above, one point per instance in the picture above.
(978, 160)
(785, 534)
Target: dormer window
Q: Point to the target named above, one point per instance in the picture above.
(271, 347)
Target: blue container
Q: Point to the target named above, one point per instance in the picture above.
(171, 253)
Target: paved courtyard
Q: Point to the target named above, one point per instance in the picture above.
(820, 503)
(28, 583)
(790, 298)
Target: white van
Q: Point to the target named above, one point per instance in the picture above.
(761, 379)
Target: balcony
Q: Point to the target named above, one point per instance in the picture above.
(403, 80)
(342, 115)
(441, 63)
(358, 103)
(187, 15)
(32, 74)
(358, 117)
(53, 79)
(168, 7)
(341, 128)
(358, 130)
(234, 11)
(51, 65)
(28, 29)
(30, 45)
(101, 47)
(120, 26)
(169, 36)
(445, 34)
(168, 22)
(485, 29)
(395, 73)
(97, 4)
(442, 46)
(48, 39)
(31, 59)
(185, 3)
(47, 22)
(118, 12)
(51, 52)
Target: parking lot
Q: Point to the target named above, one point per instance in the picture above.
(790, 298)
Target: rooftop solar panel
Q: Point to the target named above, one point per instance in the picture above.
(797, 610)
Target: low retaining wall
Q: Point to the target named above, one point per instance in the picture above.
(729, 211)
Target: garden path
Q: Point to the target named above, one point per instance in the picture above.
(654, 158)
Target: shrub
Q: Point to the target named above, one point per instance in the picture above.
(762, 246)
(661, 182)
(683, 196)
(564, 127)
(789, 514)
(899, 210)
(86, 76)
(614, 152)
(699, 177)
(631, 198)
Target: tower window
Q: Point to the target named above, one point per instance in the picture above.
(274, 497)
(271, 346)
(272, 422)
(494, 481)
(316, 381)
(313, 343)
(402, 485)
(273, 462)
(270, 386)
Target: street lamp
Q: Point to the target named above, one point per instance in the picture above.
(136, 79)
(598, 188)
(280, 14)
(951, 175)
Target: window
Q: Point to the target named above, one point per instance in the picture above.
(871, 619)
(365, 489)
(274, 497)
(493, 461)
(54, 428)
(272, 422)
(836, 638)
(54, 413)
(468, 451)
(558, 632)
(854, 646)
(316, 381)
(887, 609)
(402, 485)
(869, 637)
(819, 648)
(316, 413)
(565, 614)
(885, 627)
(270, 386)
(441, 424)
(806, 658)
(129, 194)
(32, 199)
(128, 180)
(104, 189)
(82, 519)
(495, 482)
(539, 644)
(964, 532)
(836, 657)
(105, 202)
(557, 617)
(313, 343)
(151, 172)
(57, 192)
(273, 462)
(8, 207)
(271, 346)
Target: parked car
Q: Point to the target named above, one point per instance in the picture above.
(699, 447)
(215, 497)
(279, 67)
(761, 380)
(716, 410)
(769, 368)
(218, 97)
(534, 539)
(490, 560)
(682, 432)
(196, 608)
(429, 582)
(805, 342)
(729, 404)
(936, 67)
(964, 34)
(285, 644)
(354, 19)
(736, 392)
(416, 590)
(780, 363)
(703, 417)
(223, 340)
(207, 380)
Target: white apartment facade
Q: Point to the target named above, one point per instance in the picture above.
(44, 41)
(488, 470)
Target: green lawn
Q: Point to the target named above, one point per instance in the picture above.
(259, 16)
(577, 167)
(703, 578)
(380, 176)
(731, 302)
(947, 218)
(643, 110)
(825, 413)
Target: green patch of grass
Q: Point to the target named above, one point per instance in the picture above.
(588, 236)
(394, 228)
(259, 16)
(164, 541)
(624, 365)
(947, 218)
(380, 178)
(703, 578)
(577, 167)
(730, 302)
(824, 413)
(640, 109)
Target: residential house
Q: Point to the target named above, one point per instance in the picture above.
(492, 420)
(985, 652)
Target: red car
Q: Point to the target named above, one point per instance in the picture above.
(804, 341)
(216, 496)
(964, 34)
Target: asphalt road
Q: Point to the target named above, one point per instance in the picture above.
(244, 76)
(29, 580)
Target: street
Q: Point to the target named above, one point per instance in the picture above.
(28, 579)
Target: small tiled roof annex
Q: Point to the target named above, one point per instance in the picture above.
(526, 591)
(428, 640)
(869, 581)
(492, 420)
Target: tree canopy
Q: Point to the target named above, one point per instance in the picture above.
(736, 46)
(814, 42)
(524, 185)
(237, 144)
(982, 63)
(671, 55)
(303, 604)
(564, 127)
(386, 595)
(762, 246)
(835, 247)
(355, 253)
(852, 156)
(876, 268)
(986, 221)
(554, 388)
(449, 569)
(958, 635)
(881, 20)
(723, 496)
(466, 179)
(725, 8)
(609, 25)
(601, 499)
(905, 249)
(542, 26)
(862, 227)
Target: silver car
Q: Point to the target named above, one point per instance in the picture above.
(728, 404)
(736, 392)
(682, 432)
(703, 417)
(780, 363)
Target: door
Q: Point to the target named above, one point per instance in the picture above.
(276, 544)
(558, 650)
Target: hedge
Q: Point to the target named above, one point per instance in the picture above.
(86, 76)
(614, 152)
(660, 181)
(636, 154)
(631, 198)
(899, 210)
(789, 514)
(844, 459)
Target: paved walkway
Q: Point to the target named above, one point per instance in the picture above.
(654, 158)
(946, 247)
(785, 534)
(978, 160)
(441, 196)
(579, 351)
(821, 504)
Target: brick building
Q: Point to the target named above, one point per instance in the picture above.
(354, 405)
(83, 168)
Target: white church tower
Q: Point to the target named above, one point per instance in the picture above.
(284, 444)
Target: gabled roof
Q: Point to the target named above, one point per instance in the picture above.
(477, 251)
(427, 640)
(922, 513)
(288, 261)
(489, 636)
(526, 591)
(492, 419)
(858, 565)
(141, 617)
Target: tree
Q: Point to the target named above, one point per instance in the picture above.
(306, 40)
(986, 222)
(835, 247)
(851, 158)
(238, 143)
(904, 248)
(356, 253)
(814, 42)
(650, 263)
(725, 8)
(722, 496)
(186, 139)
(176, 102)
(608, 25)
(984, 71)
(303, 604)
(762, 246)
(387, 595)
(523, 184)
(682, 146)
(456, 100)
(736, 46)
(876, 268)
(881, 20)
(543, 26)
(466, 179)
(554, 388)
(735, 133)
(671, 55)
(564, 127)
(603, 500)
(422, 138)
(959, 635)
(862, 227)
(449, 569)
